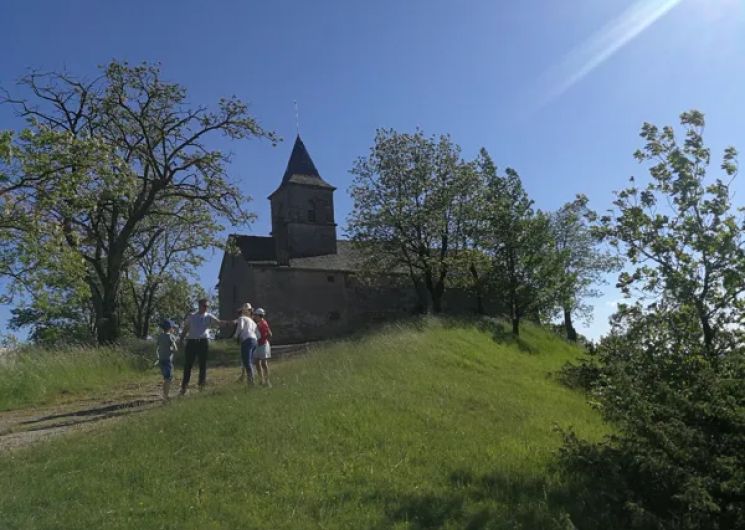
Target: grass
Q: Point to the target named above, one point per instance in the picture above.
(33, 376)
(425, 426)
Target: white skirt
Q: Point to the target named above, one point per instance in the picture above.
(263, 351)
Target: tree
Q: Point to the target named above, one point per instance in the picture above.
(680, 234)
(671, 370)
(582, 262)
(524, 264)
(410, 197)
(475, 203)
(55, 309)
(173, 298)
(173, 257)
(13, 218)
(103, 157)
(169, 262)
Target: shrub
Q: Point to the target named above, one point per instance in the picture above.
(677, 457)
(580, 376)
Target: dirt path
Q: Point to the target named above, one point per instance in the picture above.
(23, 427)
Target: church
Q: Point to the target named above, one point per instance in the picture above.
(302, 274)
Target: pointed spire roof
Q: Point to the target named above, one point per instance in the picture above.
(301, 169)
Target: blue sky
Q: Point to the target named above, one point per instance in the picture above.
(556, 89)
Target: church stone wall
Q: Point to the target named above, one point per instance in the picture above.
(236, 285)
(310, 304)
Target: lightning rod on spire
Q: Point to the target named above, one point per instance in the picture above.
(297, 118)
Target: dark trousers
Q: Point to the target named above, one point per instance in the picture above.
(195, 349)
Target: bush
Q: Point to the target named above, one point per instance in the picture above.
(677, 458)
(581, 376)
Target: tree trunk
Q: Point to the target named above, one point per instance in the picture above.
(436, 301)
(708, 332)
(477, 289)
(435, 294)
(148, 316)
(571, 332)
(514, 314)
(106, 302)
(107, 319)
(708, 335)
(438, 293)
(516, 325)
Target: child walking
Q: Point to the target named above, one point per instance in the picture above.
(166, 348)
(264, 349)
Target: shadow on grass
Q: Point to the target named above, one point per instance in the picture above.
(501, 333)
(105, 410)
(491, 500)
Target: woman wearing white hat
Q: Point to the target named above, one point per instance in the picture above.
(263, 351)
(246, 333)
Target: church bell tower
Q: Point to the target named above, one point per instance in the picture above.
(302, 210)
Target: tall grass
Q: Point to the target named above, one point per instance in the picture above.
(430, 426)
(33, 375)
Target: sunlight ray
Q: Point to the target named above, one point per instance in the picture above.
(597, 49)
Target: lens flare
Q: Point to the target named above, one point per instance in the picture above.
(583, 59)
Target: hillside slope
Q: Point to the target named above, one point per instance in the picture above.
(425, 426)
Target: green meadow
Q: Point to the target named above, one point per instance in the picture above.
(428, 425)
(35, 376)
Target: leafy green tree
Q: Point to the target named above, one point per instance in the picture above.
(143, 306)
(680, 233)
(171, 260)
(55, 309)
(13, 217)
(524, 265)
(671, 371)
(475, 204)
(582, 262)
(410, 209)
(103, 157)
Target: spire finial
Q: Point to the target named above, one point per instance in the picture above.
(297, 118)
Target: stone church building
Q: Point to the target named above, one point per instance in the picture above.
(302, 274)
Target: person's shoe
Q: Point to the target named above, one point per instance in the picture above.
(268, 384)
(201, 387)
(166, 387)
(182, 392)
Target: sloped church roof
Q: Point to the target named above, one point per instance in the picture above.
(260, 250)
(301, 169)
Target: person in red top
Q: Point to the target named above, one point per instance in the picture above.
(264, 350)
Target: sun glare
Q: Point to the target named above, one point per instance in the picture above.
(603, 44)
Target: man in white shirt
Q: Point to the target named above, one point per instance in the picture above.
(196, 328)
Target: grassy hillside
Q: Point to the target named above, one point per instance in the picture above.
(415, 427)
(33, 376)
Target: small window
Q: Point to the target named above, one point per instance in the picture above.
(331, 278)
(311, 211)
